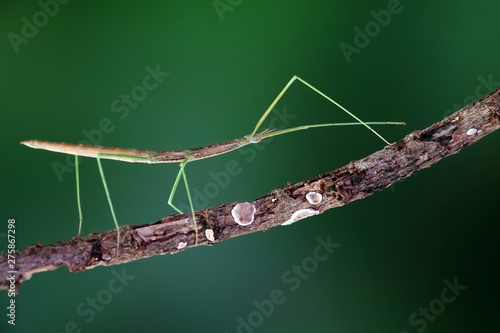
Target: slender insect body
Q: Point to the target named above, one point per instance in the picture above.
(143, 156)
(184, 156)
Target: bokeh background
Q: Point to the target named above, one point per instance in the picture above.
(227, 60)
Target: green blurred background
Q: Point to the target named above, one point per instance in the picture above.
(227, 60)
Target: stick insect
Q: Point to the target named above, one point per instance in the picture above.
(184, 156)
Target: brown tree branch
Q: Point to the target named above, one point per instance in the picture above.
(357, 180)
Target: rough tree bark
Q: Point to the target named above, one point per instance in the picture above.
(357, 180)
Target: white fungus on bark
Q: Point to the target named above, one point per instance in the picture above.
(243, 213)
(301, 214)
(209, 233)
(314, 198)
(472, 131)
(181, 245)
